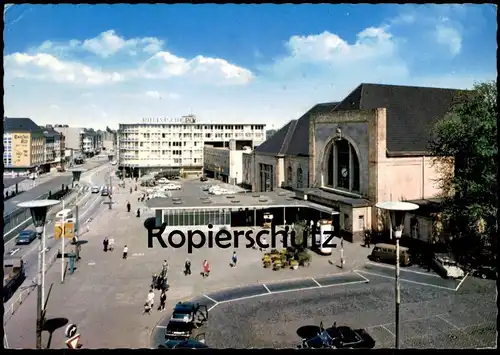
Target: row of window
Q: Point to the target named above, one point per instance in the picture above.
(300, 177)
(185, 127)
(197, 217)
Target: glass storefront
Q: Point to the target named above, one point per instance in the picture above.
(197, 217)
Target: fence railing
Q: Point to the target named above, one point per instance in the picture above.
(23, 295)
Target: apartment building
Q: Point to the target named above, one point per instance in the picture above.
(84, 140)
(52, 151)
(224, 163)
(24, 145)
(164, 144)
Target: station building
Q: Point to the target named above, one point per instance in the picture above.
(348, 155)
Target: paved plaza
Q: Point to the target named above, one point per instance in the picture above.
(105, 296)
(431, 316)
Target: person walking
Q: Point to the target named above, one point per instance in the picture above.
(163, 300)
(206, 269)
(151, 298)
(187, 267)
(128, 206)
(105, 244)
(234, 259)
(164, 267)
(125, 252)
(154, 281)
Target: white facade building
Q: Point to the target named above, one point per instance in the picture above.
(225, 164)
(160, 144)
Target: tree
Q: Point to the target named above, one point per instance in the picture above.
(464, 146)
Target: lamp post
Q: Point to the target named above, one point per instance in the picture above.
(397, 211)
(77, 173)
(38, 209)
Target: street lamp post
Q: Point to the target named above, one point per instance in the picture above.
(77, 173)
(38, 209)
(397, 211)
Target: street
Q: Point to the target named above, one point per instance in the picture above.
(88, 204)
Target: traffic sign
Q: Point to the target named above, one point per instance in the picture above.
(70, 330)
(74, 342)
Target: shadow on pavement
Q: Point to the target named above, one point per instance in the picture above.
(51, 325)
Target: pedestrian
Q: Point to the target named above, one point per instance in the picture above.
(105, 244)
(187, 267)
(111, 244)
(125, 252)
(163, 300)
(151, 298)
(128, 206)
(164, 267)
(164, 284)
(154, 281)
(206, 269)
(138, 213)
(368, 239)
(234, 259)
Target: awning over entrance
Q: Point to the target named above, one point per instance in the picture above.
(321, 208)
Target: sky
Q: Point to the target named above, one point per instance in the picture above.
(101, 65)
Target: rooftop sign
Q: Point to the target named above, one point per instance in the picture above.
(163, 120)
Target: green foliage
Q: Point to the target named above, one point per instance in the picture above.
(465, 147)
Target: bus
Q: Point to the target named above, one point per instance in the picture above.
(323, 233)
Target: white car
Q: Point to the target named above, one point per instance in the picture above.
(113, 163)
(214, 188)
(163, 181)
(449, 267)
(96, 189)
(172, 187)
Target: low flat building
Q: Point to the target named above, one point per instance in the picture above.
(224, 163)
(349, 155)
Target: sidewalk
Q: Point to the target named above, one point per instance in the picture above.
(105, 296)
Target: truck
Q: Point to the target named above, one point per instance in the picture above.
(14, 276)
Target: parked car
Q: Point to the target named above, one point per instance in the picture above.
(447, 266)
(486, 272)
(383, 252)
(25, 237)
(113, 163)
(339, 338)
(163, 181)
(203, 178)
(96, 189)
(188, 312)
(172, 187)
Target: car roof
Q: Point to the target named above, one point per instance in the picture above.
(184, 307)
(27, 231)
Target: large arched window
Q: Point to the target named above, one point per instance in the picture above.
(289, 177)
(300, 178)
(342, 166)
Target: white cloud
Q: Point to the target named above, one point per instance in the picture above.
(55, 107)
(164, 65)
(109, 43)
(45, 67)
(449, 36)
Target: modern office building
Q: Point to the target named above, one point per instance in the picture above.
(160, 144)
(24, 145)
(224, 163)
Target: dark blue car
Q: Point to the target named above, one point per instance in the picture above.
(26, 237)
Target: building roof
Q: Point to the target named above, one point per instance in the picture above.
(411, 112)
(50, 132)
(20, 124)
(278, 143)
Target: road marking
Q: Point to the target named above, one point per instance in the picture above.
(211, 299)
(91, 263)
(384, 327)
(357, 273)
(269, 291)
(405, 270)
(461, 282)
(6, 343)
(413, 282)
(138, 254)
(447, 321)
(317, 283)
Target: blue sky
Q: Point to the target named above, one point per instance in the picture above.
(101, 65)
